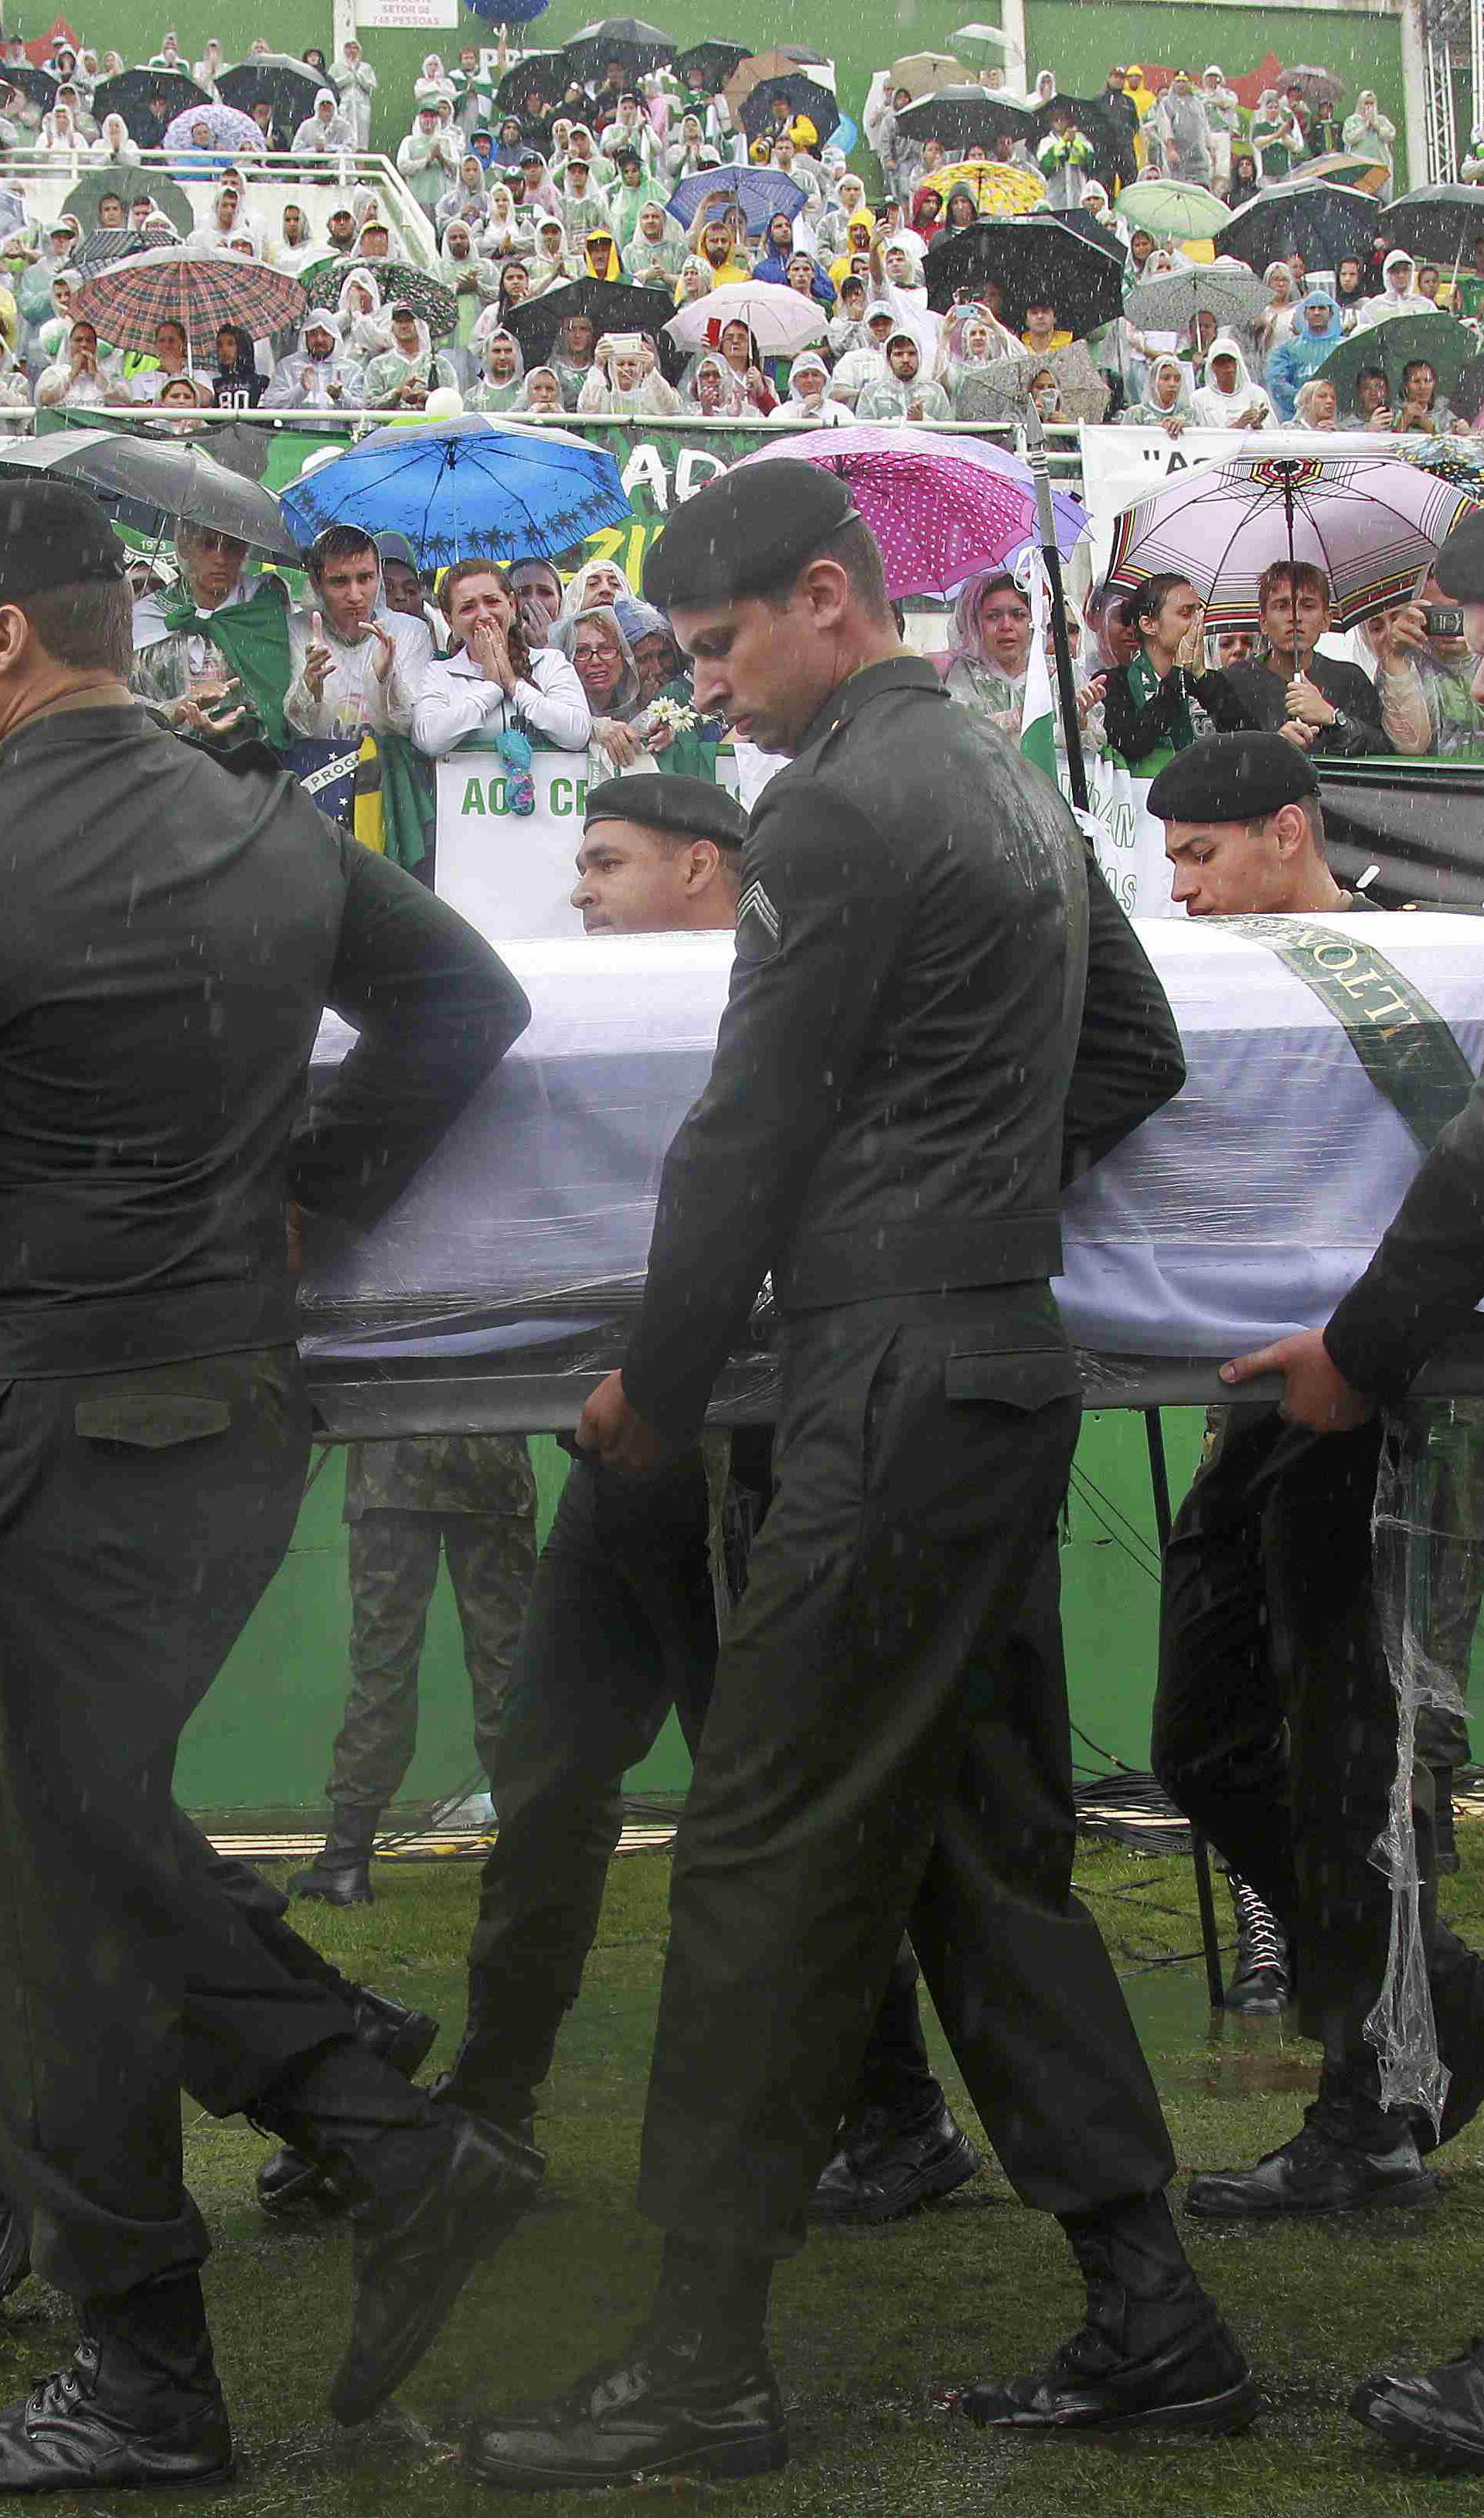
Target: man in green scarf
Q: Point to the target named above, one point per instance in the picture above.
(216, 632)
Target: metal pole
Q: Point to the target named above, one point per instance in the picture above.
(1210, 1944)
(1065, 680)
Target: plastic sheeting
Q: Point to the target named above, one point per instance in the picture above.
(1241, 1211)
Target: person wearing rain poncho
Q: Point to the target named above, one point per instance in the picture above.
(218, 624)
(432, 81)
(113, 145)
(541, 392)
(601, 259)
(81, 377)
(832, 234)
(1318, 330)
(356, 81)
(712, 391)
(1400, 294)
(14, 390)
(325, 129)
(775, 251)
(572, 356)
(318, 375)
(991, 647)
(625, 382)
(474, 283)
(655, 254)
(427, 160)
(502, 381)
(1167, 400)
(974, 374)
(1367, 133)
(809, 400)
(553, 260)
(506, 230)
(1227, 397)
(583, 203)
(904, 392)
(468, 197)
(867, 366)
(401, 376)
(595, 645)
(362, 318)
(295, 248)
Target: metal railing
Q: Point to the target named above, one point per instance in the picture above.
(45, 179)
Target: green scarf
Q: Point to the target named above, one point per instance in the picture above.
(408, 808)
(1145, 684)
(253, 636)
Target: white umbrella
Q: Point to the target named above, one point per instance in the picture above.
(780, 320)
(988, 39)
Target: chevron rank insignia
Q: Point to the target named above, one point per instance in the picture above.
(759, 927)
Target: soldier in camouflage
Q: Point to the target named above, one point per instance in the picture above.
(469, 1499)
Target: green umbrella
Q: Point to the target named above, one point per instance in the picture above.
(1441, 339)
(399, 283)
(1165, 208)
(131, 184)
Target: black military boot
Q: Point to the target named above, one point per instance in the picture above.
(289, 2182)
(1350, 2153)
(692, 2395)
(887, 2166)
(340, 1874)
(436, 2193)
(1260, 1985)
(1152, 2353)
(139, 2402)
(1437, 2416)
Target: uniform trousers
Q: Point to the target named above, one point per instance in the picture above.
(393, 1561)
(1275, 1720)
(622, 1625)
(887, 1748)
(142, 1515)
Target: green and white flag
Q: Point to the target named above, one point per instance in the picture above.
(1038, 707)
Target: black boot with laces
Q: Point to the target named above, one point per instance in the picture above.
(1350, 2152)
(1260, 1983)
(138, 2406)
(1151, 2354)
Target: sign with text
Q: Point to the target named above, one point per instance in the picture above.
(512, 874)
(406, 13)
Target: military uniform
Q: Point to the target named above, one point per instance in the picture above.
(172, 934)
(471, 1500)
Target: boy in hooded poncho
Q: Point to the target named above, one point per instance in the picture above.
(1318, 330)
(1227, 397)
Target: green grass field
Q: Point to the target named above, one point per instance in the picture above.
(866, 2324)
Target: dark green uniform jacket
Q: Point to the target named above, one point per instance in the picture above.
(884, 1115)
(1427, 1277)
(171, 934)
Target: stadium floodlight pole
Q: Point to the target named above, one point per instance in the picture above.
(1035, 437)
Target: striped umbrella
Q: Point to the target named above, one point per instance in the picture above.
(197, 289)
(1370, 523)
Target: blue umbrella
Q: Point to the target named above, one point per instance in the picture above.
(508, 12)
(758, 191)
(474, 487)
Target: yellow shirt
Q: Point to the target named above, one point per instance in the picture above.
(1058, 341)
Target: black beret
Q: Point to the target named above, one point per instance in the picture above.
(689, 808)
(1231, 778)
(54, 533)
(1459, 564)
(747, 533)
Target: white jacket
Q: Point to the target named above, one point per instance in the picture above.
(456, 700)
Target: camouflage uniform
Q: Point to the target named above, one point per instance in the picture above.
(470, 1497)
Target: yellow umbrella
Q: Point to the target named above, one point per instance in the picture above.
(1000, 192)
(923, 74)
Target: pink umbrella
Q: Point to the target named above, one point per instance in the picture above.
(943, 509)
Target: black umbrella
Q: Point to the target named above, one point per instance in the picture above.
(630, 40)
(547, 72)
(1324, 222)
(1112, 142)
(612, 306)
(801, 53)
(804, 94)
(1030, 260)
(163, 475)
(38, 85)
(131, 93)
(131, 184)
(277, 80)
(1438, 222)
(966, 118)
(708, 66)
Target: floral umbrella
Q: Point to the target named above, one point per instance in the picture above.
(228, 129)
(478, 486)
(399, 282)
(941, 508)
(1000, 192)
(1370, 523)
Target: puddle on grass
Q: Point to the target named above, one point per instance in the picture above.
(1220, 2054)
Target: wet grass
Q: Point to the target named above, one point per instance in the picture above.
(867, 2323)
